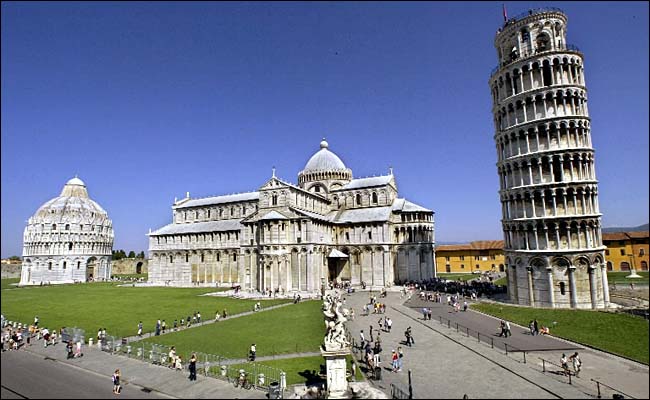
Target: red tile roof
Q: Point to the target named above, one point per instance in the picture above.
(476, 245)
(621, 236)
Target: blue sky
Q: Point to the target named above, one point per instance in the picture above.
(146, 101)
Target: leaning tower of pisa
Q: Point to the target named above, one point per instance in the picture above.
(545, 159)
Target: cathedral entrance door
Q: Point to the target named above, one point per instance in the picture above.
(333, 269)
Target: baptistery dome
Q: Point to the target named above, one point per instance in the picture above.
(68, 239)
(324, 167)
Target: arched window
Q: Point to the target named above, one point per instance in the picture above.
(234, 256)
(65, 264)
(70, 246)
(317, 189)
(221, 212)
(196, 215)
(644, 266)
(67, 227)
(562, 288)
(202, 257)
(49, 265)
(208, 213)
(78, 264)
(609, 266)
(358, 199)
(187, 258)
(232, 211)
(53, 227)
(625, 266)
(171, 259)
(274, 200)
(218, 256)
(374, 198)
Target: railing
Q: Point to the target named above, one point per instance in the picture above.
(599, 384)
(483, 337)
(533, 11)
(215, 366)
(397, 393)
(566, 372)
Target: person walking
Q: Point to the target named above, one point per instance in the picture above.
(531, 327)
(253, 352)
(117, 388)
(464, 306)
(394, 360)
(565, 365)
(362, 340)
(172, 357)
(163, 325)
(140, 329)
(577, 363)
(389, 324)
(535, 327)
(400, 359)
(508, 331)
(193, 367)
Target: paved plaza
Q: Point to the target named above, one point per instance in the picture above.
(446, 362)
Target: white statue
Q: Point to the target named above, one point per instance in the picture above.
(335, 318)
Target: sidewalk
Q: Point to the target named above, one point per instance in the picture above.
(447, 363)
(149, 377)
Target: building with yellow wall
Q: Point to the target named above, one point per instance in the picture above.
(473, 257)
(626, 250)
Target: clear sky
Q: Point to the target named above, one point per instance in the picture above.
(146, 101)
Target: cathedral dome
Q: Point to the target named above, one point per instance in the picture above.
(324, 166)
(324, 160)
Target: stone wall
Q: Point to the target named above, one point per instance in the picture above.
(130, 266)
(11, 270)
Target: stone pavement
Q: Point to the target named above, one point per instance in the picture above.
(145, 376)
(446, 363)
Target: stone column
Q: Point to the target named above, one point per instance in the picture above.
(512, 283)
(551, 291)
(531, 295)
(572, 287)
(603, 272)
(592, 286)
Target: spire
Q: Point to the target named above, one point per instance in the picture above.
(390, 169)
(273, 176)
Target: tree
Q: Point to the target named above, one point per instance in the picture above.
(16, 258)
(141, 254)
(131, 254)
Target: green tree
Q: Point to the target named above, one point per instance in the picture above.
(131, 254)
(16, 258)
(141, 254)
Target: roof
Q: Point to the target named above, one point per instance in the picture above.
(371, 214)
(76, 181)
(337, 254)
(230, 198)
(476, 245)
(197, 227)
(324, 160)
(407, 206)
(367, 182)
(272, 215)
(613, 236)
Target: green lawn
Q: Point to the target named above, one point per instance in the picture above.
(502, 281)
(303, 370)
(617, 333)
(118, 309)
(292, 329)
(458, 277)
(128, 276)
(7, 283)
(620, 277)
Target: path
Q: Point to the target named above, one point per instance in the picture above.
(448, 364)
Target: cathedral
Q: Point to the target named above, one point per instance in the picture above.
(329, 227)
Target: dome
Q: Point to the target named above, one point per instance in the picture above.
(76, 181)
(324, 160)
(73, 205)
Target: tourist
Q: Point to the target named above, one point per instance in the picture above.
(464, 306)
(531, 327)
(36, 321)
(389, 324)
(371, 339)
(179, 363)
(157, 329)
(545, 330)
(564, 364)
(225, 314)
(362, 340)
(116, 382)
(78, 352)
(394, 360)
(381, 324)
(175, 325)
(253, 351)
(502, 327)
(217, 316)
(351, 314)
(424, 313)
(198, 317)
(140, 329)
(508, 331)
(163, 325)
(193, 367)
(429, 313)
(535, 327)
(577, 363)
(172, 357)
(400, 359)
(189, 322)
(68, 347)
(409, 337)
(182, 323)
(99, 335)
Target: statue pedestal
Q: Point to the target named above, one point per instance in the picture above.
(337, 384)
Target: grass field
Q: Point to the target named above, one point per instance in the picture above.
(304, 370)
(620, 278)
(457, 277)
(292, 329)
(621, 334)
(8, 283)
(501, 281)
(118, 309)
